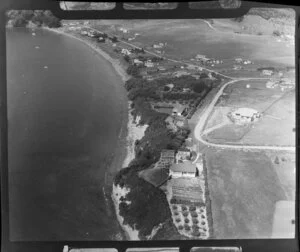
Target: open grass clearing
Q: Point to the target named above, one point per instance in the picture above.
(243, 189)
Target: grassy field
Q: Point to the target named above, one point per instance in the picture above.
(274, 128)
(230, 133)
(218, 115)
(285, 167)
(242, 204)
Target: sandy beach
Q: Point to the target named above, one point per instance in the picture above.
(124, 153)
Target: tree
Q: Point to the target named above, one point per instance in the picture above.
(126, 58)
(133, 70)
(276, 161)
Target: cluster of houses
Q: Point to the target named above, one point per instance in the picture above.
(282, 83)
(179, 163)
(100, 36)
(207, 61)
(241, 61)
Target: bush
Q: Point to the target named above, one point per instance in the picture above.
(186, 220)
(202, 216)
(133, 70)
(187, 227)
(195, 227)
(184, 208)
(174, 207)
(176, 213)
(276, 33)
(126, 58)
(196, 233)
(185, 214)
(180, 227)
(194, 214)
(276, 161)
(173, 201)
(203, 222)
(192, 208)
(195, 220)
(178, 220)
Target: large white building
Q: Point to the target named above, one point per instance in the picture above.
(185, 169)
(245, 115)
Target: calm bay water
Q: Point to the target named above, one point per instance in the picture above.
(66, 106)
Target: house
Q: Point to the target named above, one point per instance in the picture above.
(185, 169)
(170, 124)
(247, 62)
(180, 73)
(84, 33)
(138, 62)
(201, 57)
(149, 63)
(101, 39)
(160, 68)
(267, 72)
(186, 90)
(123, 30)
(125, 52)
(245, 115)
(192, 67)
(237, 67)
(271, 84)
(238, 60)
(178, 110)
(182, 155)
(158, 46)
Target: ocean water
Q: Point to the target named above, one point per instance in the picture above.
(66, 106)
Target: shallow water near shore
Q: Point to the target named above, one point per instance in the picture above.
(66, 107)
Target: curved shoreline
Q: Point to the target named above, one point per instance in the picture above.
(133, 131)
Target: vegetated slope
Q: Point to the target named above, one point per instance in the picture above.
(30, 18)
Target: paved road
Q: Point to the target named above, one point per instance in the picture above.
(165, 58)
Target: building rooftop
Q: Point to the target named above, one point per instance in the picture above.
(183, 167)
(248, 112)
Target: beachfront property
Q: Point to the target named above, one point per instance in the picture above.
(244, 115)
(185, 169)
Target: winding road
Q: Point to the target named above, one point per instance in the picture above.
(204, 116)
